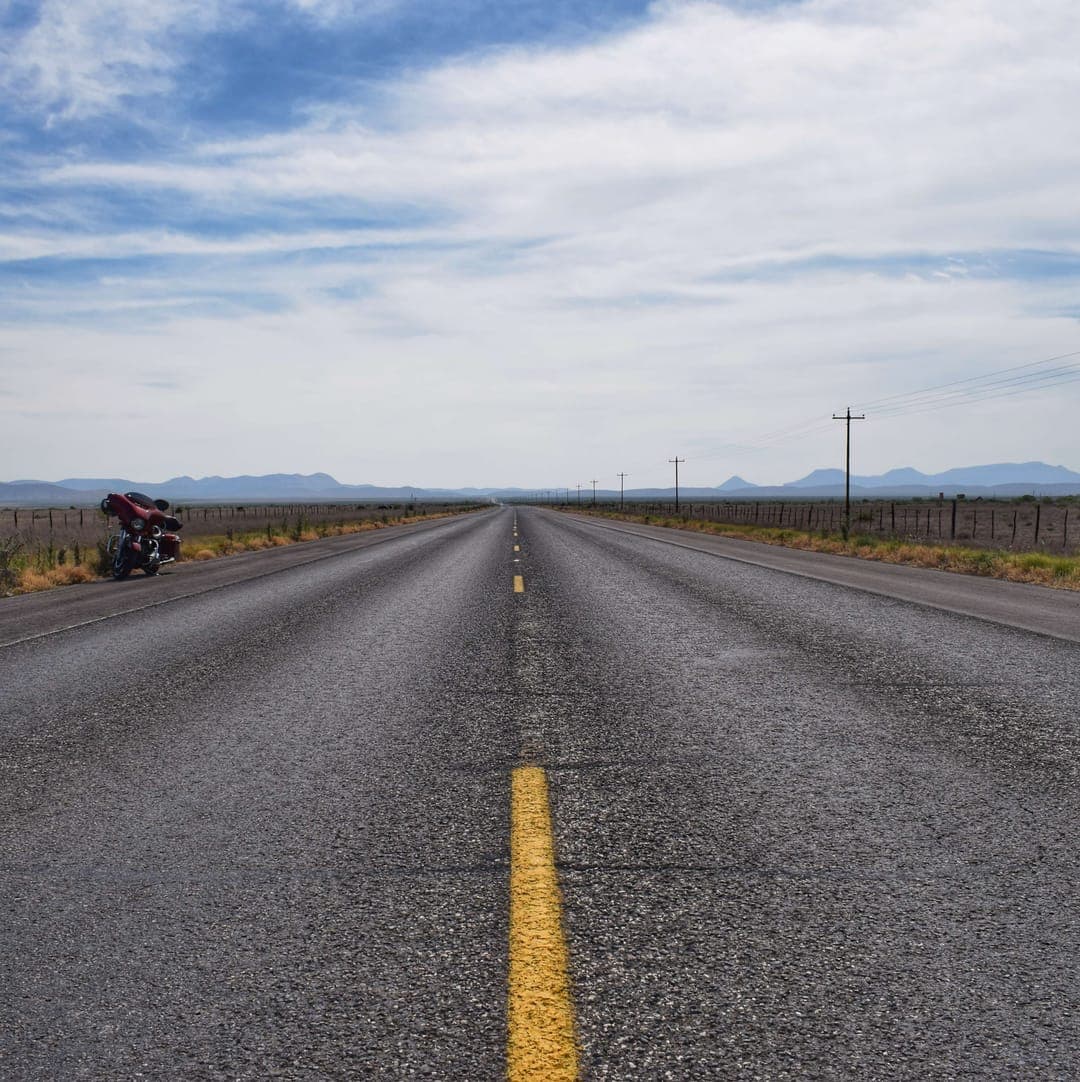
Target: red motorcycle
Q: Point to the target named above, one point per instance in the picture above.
(147, 537)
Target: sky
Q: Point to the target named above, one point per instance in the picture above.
(535, 242)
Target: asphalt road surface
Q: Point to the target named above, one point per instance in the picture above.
(255, 815)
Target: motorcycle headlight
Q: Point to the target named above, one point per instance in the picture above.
(137, 523)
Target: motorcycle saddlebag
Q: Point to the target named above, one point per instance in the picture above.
(169, 546)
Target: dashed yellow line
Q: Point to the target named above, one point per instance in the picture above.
(517, 548)
(541, 1046)
(519, 584)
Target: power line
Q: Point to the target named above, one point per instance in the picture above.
(1008, 382)
(1002, 383)
(970, 379)
(992, 388)
(929, 408)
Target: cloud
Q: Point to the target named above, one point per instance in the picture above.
(718, 219)
(804, 131)
(330, 12)
(81, 59)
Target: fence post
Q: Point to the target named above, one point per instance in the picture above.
(952, 532)
(1038, 519)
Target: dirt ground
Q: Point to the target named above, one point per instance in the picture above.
(64, 529)
(1016, 525)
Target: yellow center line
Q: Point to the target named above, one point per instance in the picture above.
(519, 585)
(517, 548)
(541, 1046)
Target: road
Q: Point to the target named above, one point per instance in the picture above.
(256, 817)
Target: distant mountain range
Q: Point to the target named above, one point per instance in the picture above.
(283, 487)
(1002, 473)
(1001, 479)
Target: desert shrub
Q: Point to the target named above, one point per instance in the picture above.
(978, 561)
(102, 562)
(1036, 567)
(10, 550)
(1035, 561)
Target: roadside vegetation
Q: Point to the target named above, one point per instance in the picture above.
(28, 567)
(1062, 572)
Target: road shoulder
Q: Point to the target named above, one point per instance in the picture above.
(1021, 605)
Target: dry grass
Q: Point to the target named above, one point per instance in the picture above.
(214, 545)
(32, 578)
(31, 581)
(1061, 572)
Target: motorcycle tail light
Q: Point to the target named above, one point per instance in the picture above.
(137, 523)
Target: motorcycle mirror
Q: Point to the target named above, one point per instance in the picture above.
(161, 505)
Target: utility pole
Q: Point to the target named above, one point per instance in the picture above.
(622, 477)
(579, 494)
(593, 483)
(847, 418)
(676, 460)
